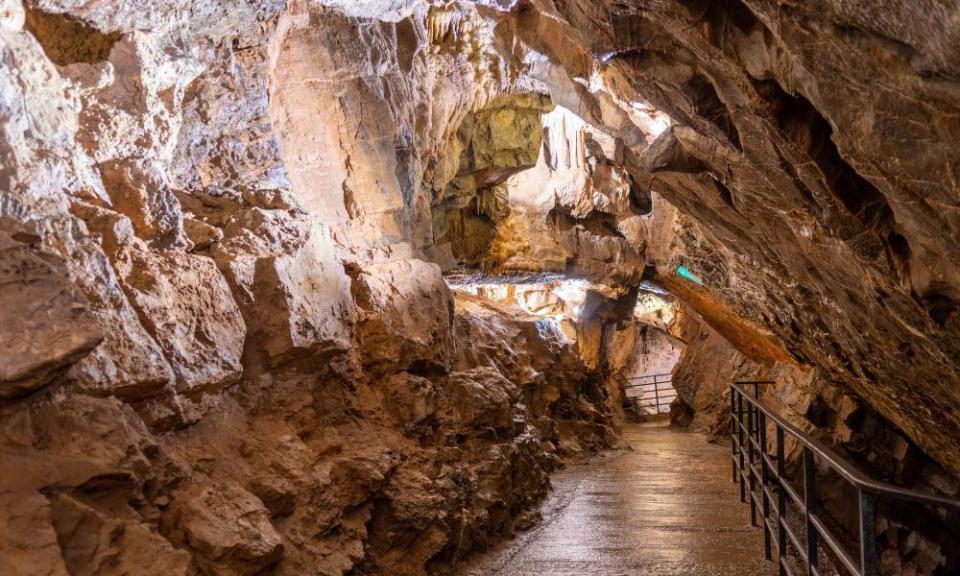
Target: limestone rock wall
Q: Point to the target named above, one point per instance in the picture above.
(812, 225)
(224, 224)
(319, 470)
(573, 211)
(222, 353)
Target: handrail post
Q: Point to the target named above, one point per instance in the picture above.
(810, 507)
(764, 480)
(656, 395)
(733, 431)
(781, 505)
(868, 543)
(750, 461)
(753, 429)
(743, 484)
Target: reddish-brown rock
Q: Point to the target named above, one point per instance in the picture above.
(228, 343)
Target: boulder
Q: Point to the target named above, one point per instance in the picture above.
(47, 326)
(185, 303)
(227, 528)
(97, 541)
(28, 542)
(406, 315)
(292, 289)
(129, 362)
(480, 398)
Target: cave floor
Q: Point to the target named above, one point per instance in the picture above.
(666, 508)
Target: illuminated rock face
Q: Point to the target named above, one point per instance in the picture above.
(224, 228)
(810, 228)
(225, 351)
(573, 211)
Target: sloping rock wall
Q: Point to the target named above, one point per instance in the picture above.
(910, 539)
(814, 225)
(221, 353)
(219, 222)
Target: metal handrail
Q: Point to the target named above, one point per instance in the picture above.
(648, 376)
(771, 472)
(659, 400)
(851, 473)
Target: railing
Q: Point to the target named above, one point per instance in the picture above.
(655, 394)
(748, 421)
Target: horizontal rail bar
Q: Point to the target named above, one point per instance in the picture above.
(648, 384)
(652, 405)
(794, 539)
(771, 464)
(743, 427)
(849, 472)
(769, 494)
(826, 536)
(793, 494)
(649, 393)
(770, 527)
(648, 376)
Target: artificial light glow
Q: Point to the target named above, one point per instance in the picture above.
(683, 272)
(560, 301)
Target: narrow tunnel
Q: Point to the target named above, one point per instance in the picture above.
(479, 288)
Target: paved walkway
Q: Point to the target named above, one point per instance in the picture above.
(667, 508)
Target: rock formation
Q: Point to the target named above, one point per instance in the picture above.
(228, 344)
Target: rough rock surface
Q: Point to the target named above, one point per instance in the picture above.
(406, 316)
(227, 342)
(285, 276)
(48, 326)
(228, 528)
(185, 304)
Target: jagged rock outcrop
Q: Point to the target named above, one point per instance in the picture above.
(574, 211)
(222, 355)
(227, 342)
(406, 317)
(322, 471)
(47, 325)
(809, 227)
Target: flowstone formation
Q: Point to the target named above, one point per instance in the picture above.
(227, 340)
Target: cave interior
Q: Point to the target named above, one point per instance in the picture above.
(337, 287)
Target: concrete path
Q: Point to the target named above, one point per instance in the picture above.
(667, 508)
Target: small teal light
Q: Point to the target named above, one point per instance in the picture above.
(682, 271)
